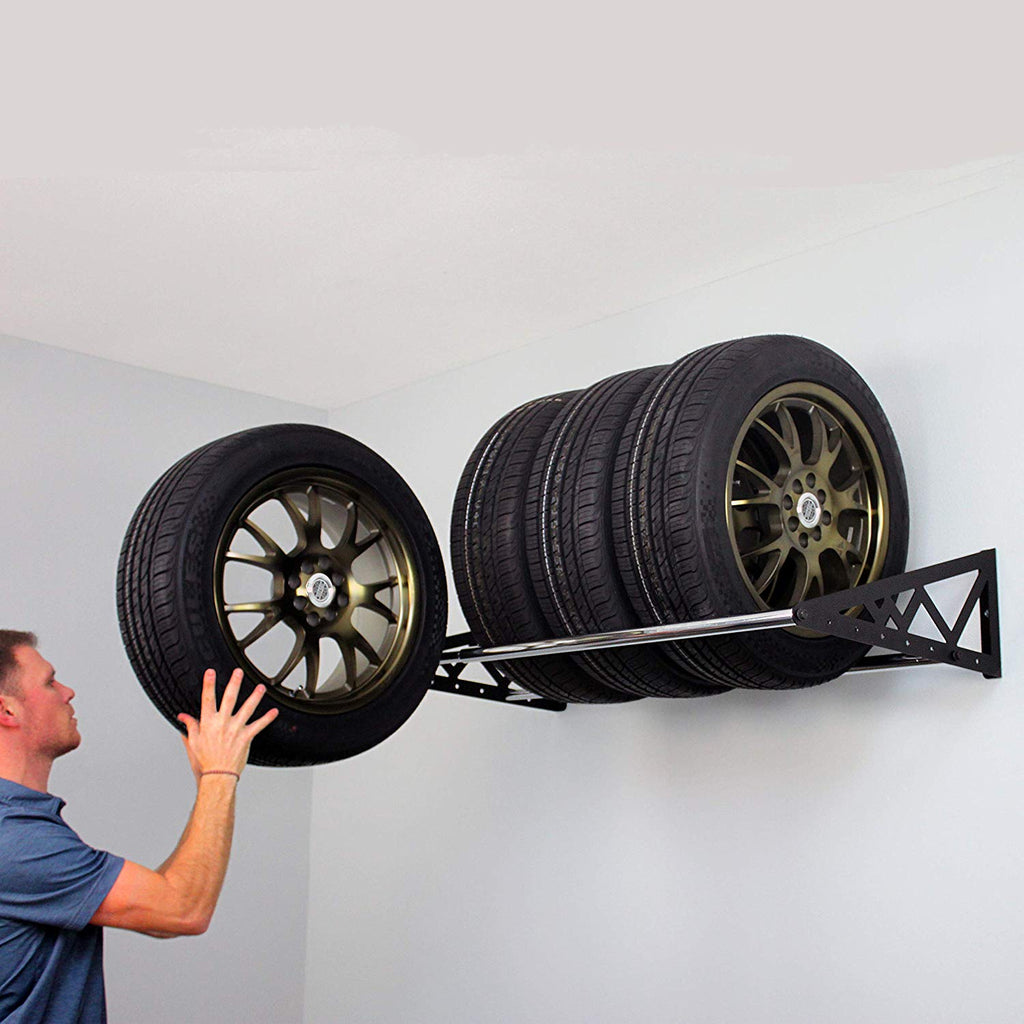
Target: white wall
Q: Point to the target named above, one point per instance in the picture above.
(83, 439)
(848, 853)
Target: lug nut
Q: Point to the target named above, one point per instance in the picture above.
(307, 565)
(323, 563)
(298, 604)
(312, 620)
(337, 578)
(293, 582)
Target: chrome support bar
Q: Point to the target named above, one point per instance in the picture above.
(623, 638)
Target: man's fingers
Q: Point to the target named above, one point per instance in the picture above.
(254, 728)
(246, 710)
(189, 722)
(228, 701)
(209, 702)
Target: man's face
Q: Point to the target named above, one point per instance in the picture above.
(43, 705)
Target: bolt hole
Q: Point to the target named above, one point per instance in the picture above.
(787, 502)
(810, 481)
(803, 540)
(821, 496)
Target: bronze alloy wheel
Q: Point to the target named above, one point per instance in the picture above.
(806, 497)
(314, 590)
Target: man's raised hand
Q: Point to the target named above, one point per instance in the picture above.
(219, 741)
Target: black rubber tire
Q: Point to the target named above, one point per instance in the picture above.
(571, 551)
(673, 543)
(489, 564)
(166, 600)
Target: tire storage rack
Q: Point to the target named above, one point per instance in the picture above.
(753, 486)
(888, 608)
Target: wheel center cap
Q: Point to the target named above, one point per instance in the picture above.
(808, 508)
(320, 590)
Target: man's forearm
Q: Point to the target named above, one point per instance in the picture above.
(196, 869)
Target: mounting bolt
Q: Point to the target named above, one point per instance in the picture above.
(954, 655)
(800, 613)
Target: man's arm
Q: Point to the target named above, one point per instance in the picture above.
(180, 896)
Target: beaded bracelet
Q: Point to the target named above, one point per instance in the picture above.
(222, 771)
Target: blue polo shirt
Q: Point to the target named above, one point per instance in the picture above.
(51, 883)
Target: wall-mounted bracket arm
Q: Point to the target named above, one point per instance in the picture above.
(891, 608)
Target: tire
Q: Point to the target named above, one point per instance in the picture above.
(570, 547)
(715, 512)
(489, 563)
(299, 555)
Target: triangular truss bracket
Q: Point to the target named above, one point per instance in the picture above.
(879, 614)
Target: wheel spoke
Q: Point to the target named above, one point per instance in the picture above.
(786, 450)
(751, 504)
(348, 659)
(819, 435)
(768, 482)
(348, 535)
(293, 659)
(265, 541)
(314, 523)
(270, 562)
(770, 573)
(270, 620)
(253, 606)
(368, 541)
(376, 588)
(294, 514)
(381, 609)
(850, 499)
(769, 547)
(312, 668)
(364, 646)
(790, 435)
(827, 456)
(812, 574)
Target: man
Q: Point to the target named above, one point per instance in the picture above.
(56, 892)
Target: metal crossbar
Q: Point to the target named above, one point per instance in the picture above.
(869, 614)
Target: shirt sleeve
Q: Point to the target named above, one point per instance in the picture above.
(48, 876)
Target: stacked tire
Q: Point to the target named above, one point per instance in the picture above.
(748, 475)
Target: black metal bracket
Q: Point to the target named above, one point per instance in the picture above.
(886, 619)
(881, 614)
(501, 688)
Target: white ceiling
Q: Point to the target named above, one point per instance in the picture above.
(323, 206)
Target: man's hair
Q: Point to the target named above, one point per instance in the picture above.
(9, 639)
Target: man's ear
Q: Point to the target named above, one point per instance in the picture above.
(8, 716)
